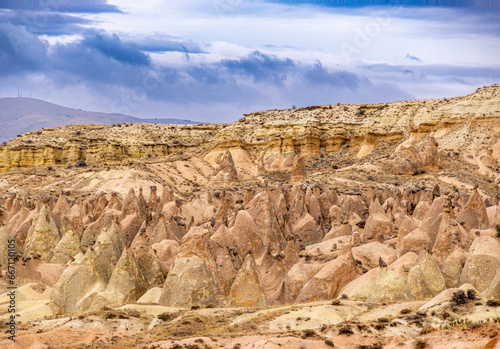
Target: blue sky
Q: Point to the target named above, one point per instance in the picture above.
(214, 60)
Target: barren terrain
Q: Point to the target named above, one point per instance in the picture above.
(341, 226)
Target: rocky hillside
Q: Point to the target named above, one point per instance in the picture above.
(21, 115)
(342, 225)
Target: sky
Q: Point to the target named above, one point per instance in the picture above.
(215, 60)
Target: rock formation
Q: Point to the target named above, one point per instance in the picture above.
(222, 216)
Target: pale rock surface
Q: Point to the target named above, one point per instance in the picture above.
(246, 290)
(88, 239)
(370, 253)
(43, 236)
(126, 285)
(193, 278)
(147, 260)
(429, 154)
(67, 248)
(152, 296)
(226, 172)
(452, 267)
(86, 277)
(481, 265)
(389, 287)
(425, 280)
(406, 160)
(166, 251)
(297, 277)
(298, 169)
(326, 283)
(418, 240)
(474, 213)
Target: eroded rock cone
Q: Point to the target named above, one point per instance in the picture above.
(67, 248)
(406, 160)
(425, 279)
(327, 283)
(429, 154)
(147, 260)
(481, 266)
(389, 287)
(87, 276)
(166, 250)
(246, 290)
(377, 222)
(193, 278)
(474, 213)
(88, 239)
(226, 173)
(127, 284)
(43, 236)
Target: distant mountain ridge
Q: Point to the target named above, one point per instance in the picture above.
(21, 115)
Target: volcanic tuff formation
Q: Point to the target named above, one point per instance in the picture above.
(395, 202)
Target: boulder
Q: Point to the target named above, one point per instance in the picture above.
(360, 288)
(452, 267)
(425, 280)
(417, 241)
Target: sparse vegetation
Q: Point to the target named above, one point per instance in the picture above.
(471, 294)
(492, 303)
(346, 329)
(81, 163)
(420, 344)
(459, 297)
(335, 167)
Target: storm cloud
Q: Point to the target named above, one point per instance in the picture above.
(213, 64)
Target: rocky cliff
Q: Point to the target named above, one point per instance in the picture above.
(393, 203)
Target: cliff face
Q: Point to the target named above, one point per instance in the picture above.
(462, 123)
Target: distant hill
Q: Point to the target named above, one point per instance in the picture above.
(21, 115)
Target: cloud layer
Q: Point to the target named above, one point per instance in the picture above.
(215, 63)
